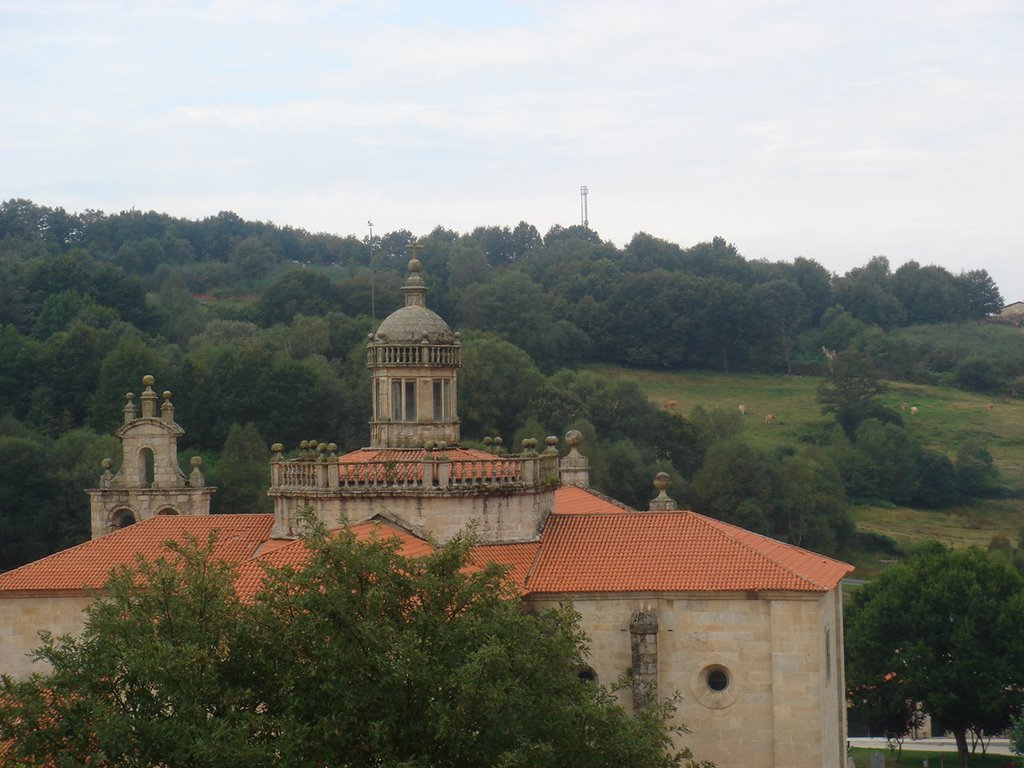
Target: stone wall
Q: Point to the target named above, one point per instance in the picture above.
(21, 620)
(780, 708)
(499, 517)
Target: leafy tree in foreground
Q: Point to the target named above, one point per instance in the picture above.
(945, 628)
(363, 657)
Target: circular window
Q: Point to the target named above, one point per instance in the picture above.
(714, 686)
(717, 680)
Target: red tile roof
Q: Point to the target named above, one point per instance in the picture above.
(670, 552)
(519, 558)
(576, 500)
(295, 553)
(407, 464)
(589, 544)
(86, 565)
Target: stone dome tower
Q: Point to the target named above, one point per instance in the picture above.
(414, 357)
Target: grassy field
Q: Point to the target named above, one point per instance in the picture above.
(946, 419)
(910, 758)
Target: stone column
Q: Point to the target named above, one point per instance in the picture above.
(643, 642)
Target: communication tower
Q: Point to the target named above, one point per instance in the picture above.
(584, 217)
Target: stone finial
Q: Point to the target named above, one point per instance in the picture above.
(663, 502)
(415, 289)
(107, 476)
(277, 452)
(574, 468)
(552, 445)
(332, 451)
(196, 478)
(131, 410)
(498, 443)
(167, 408)
(148, 397)
(529, 446)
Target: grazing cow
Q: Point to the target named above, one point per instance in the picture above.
(670, 405)
(769, 419)
(990, 406)
(913, 410)
(743, 410)
(903, 406)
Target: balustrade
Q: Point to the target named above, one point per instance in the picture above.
(426, 473)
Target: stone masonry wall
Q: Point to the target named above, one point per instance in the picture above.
(771, 650)
(22, 618)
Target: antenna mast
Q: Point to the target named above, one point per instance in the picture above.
(373, 303)
(584, 217)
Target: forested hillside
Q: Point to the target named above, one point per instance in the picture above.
(258, 330)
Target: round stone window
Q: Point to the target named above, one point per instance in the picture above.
(714, 686)
(717, 679)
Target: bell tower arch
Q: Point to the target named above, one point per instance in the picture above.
(149, 481)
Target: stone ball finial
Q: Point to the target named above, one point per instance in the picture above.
(498, 441)
(442, 444)
(107, 463)
(196, 461)
(277, 448)
(573, 438)
(167, 394)
(488, 440)
(415, 265)
(148, 380)
(551, 440)
(304, 445)
(662, 480)
(332, 447)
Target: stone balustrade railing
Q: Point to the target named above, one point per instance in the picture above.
(431, 473)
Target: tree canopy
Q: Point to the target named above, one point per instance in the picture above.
(361, 657)
(943, 629)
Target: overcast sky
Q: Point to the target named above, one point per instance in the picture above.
(832, 130)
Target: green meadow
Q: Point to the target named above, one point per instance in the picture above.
(946, 418)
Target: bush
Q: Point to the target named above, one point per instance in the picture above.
(981, 374)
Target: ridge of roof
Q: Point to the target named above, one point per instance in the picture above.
(566, 492)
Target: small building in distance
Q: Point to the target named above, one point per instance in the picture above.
(746, 628)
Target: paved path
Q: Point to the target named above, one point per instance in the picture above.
(996, 747)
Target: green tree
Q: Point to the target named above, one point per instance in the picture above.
(243, 472)
(850, 391)
(980, 295)
(946, 625)
(363, 657)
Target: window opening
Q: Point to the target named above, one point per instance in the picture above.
(718, 680)
(148, 467)
(410, 400)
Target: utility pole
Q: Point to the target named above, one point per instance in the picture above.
(584, 217)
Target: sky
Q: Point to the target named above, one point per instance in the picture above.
(837, 131)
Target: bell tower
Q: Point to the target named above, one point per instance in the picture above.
(414, 357)
(149, 481)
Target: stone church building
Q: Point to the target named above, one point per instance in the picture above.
(747, 629)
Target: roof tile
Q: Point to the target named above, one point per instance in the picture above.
(87, 565)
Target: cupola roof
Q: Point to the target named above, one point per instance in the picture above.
(414, 322)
